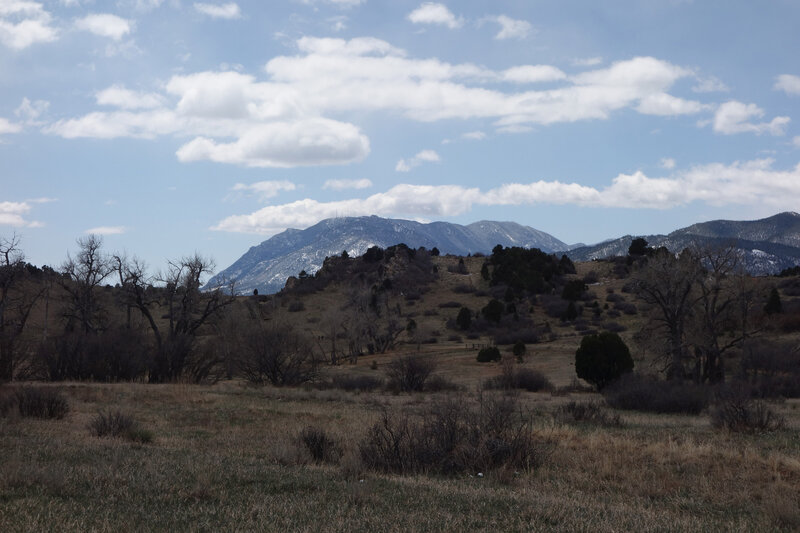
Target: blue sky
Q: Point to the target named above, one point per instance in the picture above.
(172, 126)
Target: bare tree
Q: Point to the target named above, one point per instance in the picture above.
(188, 308)
(16, 303)
(722, 311)
(84, 273)
(275, 354)
(667, 282)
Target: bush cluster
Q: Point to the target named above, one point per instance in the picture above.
(34, 402)
(587, 413)
(323, 448)
(454, 437)
(117, 424)
(735, 410)
(635, 392)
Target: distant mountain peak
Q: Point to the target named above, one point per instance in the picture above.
(267, 266)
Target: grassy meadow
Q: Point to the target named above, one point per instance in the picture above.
(229, 456)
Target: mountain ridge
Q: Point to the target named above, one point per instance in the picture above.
(768, 245)
(267, 265)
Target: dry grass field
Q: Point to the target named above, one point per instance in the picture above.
(229, 456)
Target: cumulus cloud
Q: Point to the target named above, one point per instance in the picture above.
(788, 83)
(24, 23)
(14, 214)
(533, 74)
(119, 96)
(340, 185)
(511, 28)
(433, 13)
(424, 156)
(736, 117)
(668, 163)
(710, 84)
(739, 183)
(284, 144)
(265, 189)
(227, 11)
(283, 119)
(104, 25)
(9, 127)
(106, 230)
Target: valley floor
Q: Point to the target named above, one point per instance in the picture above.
(226, 457)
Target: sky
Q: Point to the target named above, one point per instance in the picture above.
(170, 127)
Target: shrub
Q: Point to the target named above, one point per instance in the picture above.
(463, 289)
(531, 380)
(587, 413)
(525, 379)
(38, 402)
(493, 311)
(410, 372)
(322, 448)
(275, 355)
(525, 335)
(464, 319)
(449, 305)
(519, 348)
(734, 410)
(602, 358)
(486, 355)
(117, 424)
(356, 383)
(634, 392)
(437, 383)
(452, 436)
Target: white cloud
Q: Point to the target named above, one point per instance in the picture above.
(533, 74)
(222, 11)
(740, 183)
(284, 118)
(265, 189)
(735, 117)
(511, 28)
(433, 13)
(14, 214)
(24, 23)
(31, 111)
(119, 96)
(9, 127)
(710, 84)
(667, 105)
(140, 125)
(587, 61)
(106, 230)
(104, 25)
(668, 163)
(788, 83)
(474, 135)
(344, 4)
(284, 144)
(340, 185)
(424, 156)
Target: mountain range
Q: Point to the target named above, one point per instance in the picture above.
(267, 266)
(767, 245)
